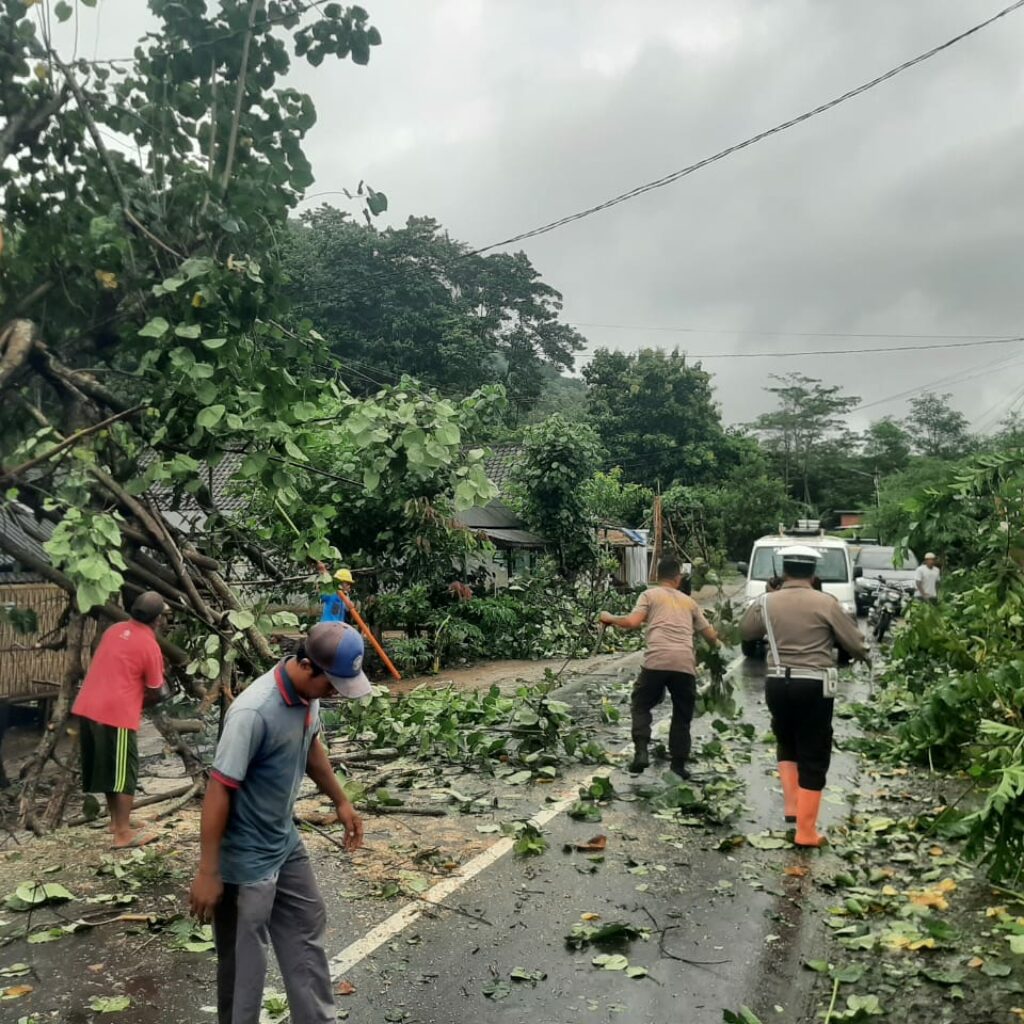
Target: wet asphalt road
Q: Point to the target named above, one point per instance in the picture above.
(737, 911)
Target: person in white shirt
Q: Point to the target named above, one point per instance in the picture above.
(927, 579)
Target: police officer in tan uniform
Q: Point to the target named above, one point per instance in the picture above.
(669, 662)
(802, 626)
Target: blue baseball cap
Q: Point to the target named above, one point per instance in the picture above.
(337, 650)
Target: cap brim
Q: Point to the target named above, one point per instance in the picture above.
(352, 687)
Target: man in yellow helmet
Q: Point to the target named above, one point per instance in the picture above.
(334, 609)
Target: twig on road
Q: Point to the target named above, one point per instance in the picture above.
(415, 895)
(667, 953)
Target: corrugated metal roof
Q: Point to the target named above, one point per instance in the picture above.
(227, 494)
(496, 516)
(515, 538)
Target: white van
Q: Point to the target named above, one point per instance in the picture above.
(835, 567)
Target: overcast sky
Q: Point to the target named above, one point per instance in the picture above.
(899, 212)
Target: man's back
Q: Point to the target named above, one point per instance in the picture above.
(807, 624)
(127, 660)
(672, 619)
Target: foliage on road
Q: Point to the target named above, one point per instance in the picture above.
(955, 678)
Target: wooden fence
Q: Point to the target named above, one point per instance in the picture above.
(27, 674)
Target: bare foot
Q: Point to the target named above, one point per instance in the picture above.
(133, 840)
(132, 824)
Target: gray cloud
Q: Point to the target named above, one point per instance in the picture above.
(897, 212)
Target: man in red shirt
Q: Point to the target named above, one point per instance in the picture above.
(127, 671)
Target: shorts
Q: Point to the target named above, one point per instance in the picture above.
(110, 758)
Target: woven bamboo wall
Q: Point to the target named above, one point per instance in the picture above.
(26, 674)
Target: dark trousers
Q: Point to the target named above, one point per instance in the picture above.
(648, 692)
(802, 723)
(287, 911)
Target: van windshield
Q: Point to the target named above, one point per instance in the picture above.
(832, 566)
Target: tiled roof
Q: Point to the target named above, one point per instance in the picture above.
(500, 464)
(226, 493)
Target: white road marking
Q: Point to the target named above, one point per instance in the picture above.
(388, 929)
(363, 947)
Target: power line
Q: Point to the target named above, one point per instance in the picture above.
(949, 379)
(842, 351)
(669, 179)
(787, 334)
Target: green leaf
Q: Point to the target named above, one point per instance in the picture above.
(377, 203)
(210, 416)
(371, 478)
(1017, 944)
(242, 620)
(63, 10)
(214, 343)
(953, 977)
(820, 966)
(766, 841)
(742, 1016)
(996, 970)
(611, 962)
(849, 975)
(156, 328)
(109, 1004)
(497, 990)
(36, 894)
(636, 972)
(188, 330)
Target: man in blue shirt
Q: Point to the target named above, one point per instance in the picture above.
(254, 878)
(334, 608)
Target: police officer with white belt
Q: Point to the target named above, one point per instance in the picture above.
(802, 626)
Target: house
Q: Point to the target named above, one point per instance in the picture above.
(32, 621)
(516, 548)
(850, 519)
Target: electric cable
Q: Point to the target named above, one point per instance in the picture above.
(675, 176)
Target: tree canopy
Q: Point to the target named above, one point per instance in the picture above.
(656, 415)
(414, 301)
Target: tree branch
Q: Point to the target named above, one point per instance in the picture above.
(108, 163)
(68, 442)
(16, 344)
(23, 128)
(229, 162)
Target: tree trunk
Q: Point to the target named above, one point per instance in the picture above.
(58, 721)
(62, 791)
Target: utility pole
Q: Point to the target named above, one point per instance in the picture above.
(658, 536)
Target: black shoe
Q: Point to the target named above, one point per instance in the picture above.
(640, 758)
(680, 770)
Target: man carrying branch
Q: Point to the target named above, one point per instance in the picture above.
(669, 663)
(254, 879)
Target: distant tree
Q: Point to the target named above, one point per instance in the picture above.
(937, 430)
(1011, 432)
(656, 415)
(749, 502)
(800, 432)
(412, 300)
(612, 501)
(887, 446)
(557, 455)
(892, 518)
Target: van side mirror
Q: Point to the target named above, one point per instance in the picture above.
(743, 568)
(858, 572)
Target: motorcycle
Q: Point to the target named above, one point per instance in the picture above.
(887, 606)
